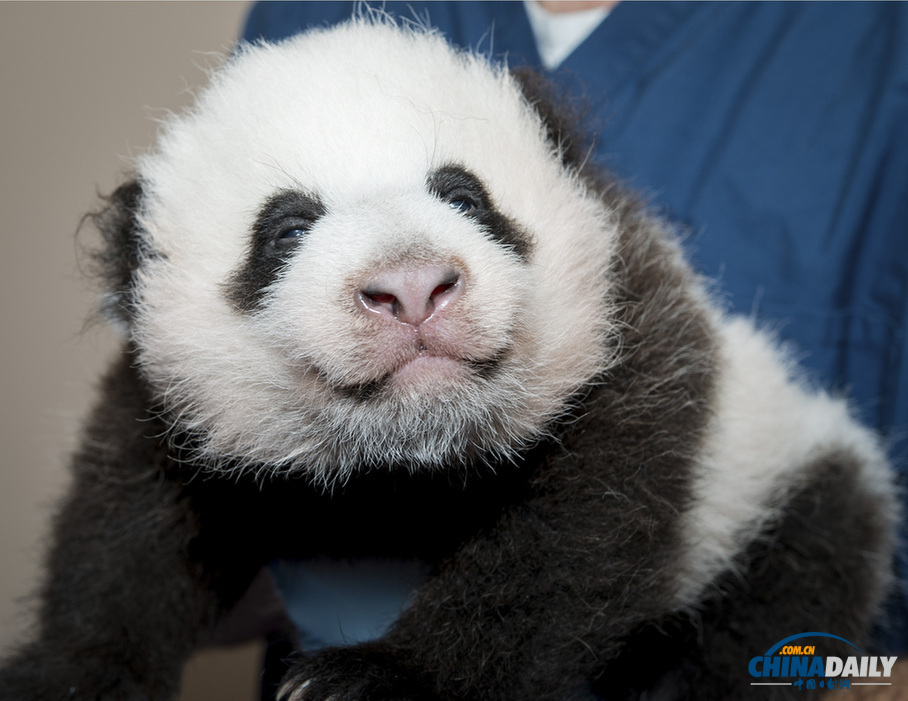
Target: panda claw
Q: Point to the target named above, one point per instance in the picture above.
(293, 691)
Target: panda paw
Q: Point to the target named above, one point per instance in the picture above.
(352, 674)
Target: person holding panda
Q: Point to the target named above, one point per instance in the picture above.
(775, 134)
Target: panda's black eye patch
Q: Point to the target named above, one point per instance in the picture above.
(287, 217)
(283, 221)
(462, 190)
(466, 194)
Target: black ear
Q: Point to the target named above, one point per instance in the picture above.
(561, 116)
(123, 245)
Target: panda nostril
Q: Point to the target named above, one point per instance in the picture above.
(380, 297)
(442, 288)
(385, 303)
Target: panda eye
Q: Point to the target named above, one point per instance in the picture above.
(295, 232)
(284, 220)
(292, 229)
(460, 189)
(462, 205)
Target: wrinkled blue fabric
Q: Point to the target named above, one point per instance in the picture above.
(775, 134)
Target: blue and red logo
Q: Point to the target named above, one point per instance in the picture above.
(797, 664)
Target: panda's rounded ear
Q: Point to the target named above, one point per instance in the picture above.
(560, 114)
(117, 260)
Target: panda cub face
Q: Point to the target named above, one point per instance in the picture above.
(361, 250)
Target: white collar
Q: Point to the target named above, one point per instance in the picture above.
(559, 33)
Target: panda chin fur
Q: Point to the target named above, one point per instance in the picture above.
(379, 305)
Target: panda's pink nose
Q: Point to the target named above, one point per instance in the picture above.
(411, 296)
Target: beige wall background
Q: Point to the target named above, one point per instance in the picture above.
(80, 85)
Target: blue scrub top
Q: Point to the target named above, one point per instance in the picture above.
(775, 134)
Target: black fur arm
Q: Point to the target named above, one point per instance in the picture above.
(126, 597)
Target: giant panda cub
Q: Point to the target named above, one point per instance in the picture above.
(378, 305)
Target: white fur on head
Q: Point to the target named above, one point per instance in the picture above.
(360, 116)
